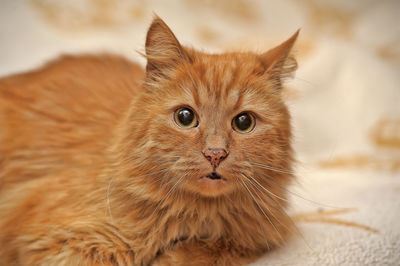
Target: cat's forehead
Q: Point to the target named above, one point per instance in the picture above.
(225, 81)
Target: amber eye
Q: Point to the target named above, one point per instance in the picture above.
(244, 122)
(185, 117)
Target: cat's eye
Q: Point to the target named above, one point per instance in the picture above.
(244, 122)
(185, 117)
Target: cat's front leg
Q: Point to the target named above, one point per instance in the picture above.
(204, 254)
(73, 246)
(69, 256)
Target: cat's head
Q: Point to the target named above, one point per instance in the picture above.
(209, 124)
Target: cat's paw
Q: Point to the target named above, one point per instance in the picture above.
(201, 254)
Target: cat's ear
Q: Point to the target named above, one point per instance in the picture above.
(163, 50)
(278, 62)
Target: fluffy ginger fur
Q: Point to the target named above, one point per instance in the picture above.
(94, 170)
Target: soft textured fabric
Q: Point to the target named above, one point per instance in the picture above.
(344, 98)
(358, 226)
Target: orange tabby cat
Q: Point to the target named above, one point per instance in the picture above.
(186, 163)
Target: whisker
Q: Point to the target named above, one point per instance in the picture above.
(269, 180)
(143, 162)
(306, 81)
(166, 195)
(163, 185)
(164, 170)
(182, 188)
(155, 173)
(267, 167)
(269, 192)
(258, 220)
(280, 209)
(261, 209)
(108, 199)
(283, 212)
(298, 195)
(164, 156)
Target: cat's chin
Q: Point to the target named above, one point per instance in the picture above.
(212, 185)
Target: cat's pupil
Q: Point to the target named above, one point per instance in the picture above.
(243, 121)
(185, 116)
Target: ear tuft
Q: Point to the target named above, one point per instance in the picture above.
(278, 62)
(163, 49)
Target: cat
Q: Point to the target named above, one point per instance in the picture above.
(184, 163)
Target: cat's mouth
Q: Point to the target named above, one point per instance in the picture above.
(214, 176)
(212, 183)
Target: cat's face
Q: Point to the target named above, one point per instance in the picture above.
(210, 124)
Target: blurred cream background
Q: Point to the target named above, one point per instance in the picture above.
(345, 97)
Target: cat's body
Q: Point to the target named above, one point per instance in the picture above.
(65, 114)
(93, 170)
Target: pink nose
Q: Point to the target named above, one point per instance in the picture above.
(215, 156)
